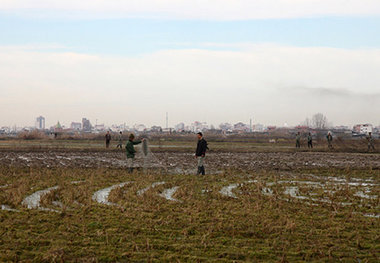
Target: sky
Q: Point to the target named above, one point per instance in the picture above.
(273, 61)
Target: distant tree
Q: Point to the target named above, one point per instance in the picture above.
(319, 121)
(307, 122)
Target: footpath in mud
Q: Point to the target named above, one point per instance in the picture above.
(186, 161)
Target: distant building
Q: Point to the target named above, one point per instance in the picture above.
(76, 126)
(241, 127)
(58, 127)
(119, 127)
(272, 128)
(86, 125)
(199, 126)
(40, 123)
(100, 127)
(179, 127)
(258, 127)
(226, 127)
(341, 127)
(156, 128)
(139, 127)
(363, 128)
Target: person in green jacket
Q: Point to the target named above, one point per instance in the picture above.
(131, 151)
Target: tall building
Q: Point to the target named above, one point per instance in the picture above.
(86, 125)
(40, 123)
(76, 126)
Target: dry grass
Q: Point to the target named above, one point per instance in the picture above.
(204, 226)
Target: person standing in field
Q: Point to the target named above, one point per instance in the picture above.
(130, 150)
(329, 140)
(108, 139)
(200, 153)
(298, 140)
(309, 141)
(120, 144)
(370, 142)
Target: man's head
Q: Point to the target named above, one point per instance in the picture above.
(370, 133)
(121, 132)
(108, 132)
(199, 135)
(131, 137)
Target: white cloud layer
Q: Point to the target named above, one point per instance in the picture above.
(273, 84)
(193, 9)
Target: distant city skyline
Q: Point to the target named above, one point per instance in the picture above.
(215, 61)
(88, 124)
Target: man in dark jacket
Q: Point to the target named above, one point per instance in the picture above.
(329, 140)
(370, 142)
(131, 151)
(310, 141)
(200, 153)
(108, 139)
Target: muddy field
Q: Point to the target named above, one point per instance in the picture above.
(182, 162)
(83, 206)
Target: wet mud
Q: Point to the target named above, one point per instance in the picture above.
(185, 162)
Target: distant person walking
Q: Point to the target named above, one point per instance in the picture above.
(200, 153)
(298, 140)
(120, 144)
(131, 151)
(309, 141)
(370, 142)
(108, 139)
(329, 140)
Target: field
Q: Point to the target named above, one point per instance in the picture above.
(75, 201)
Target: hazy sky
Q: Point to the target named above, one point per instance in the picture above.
(276, 61)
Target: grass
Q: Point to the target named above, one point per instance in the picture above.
(202, 227)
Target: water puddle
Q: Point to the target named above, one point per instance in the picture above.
(372, 215)
(168, 194)
(101, 196)
(293, 191)
(142, 191)
(267, 191)
(57, 203)
(227, 190)
(8, 208)
(24, 158)
(362, 194)
(33, 201)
